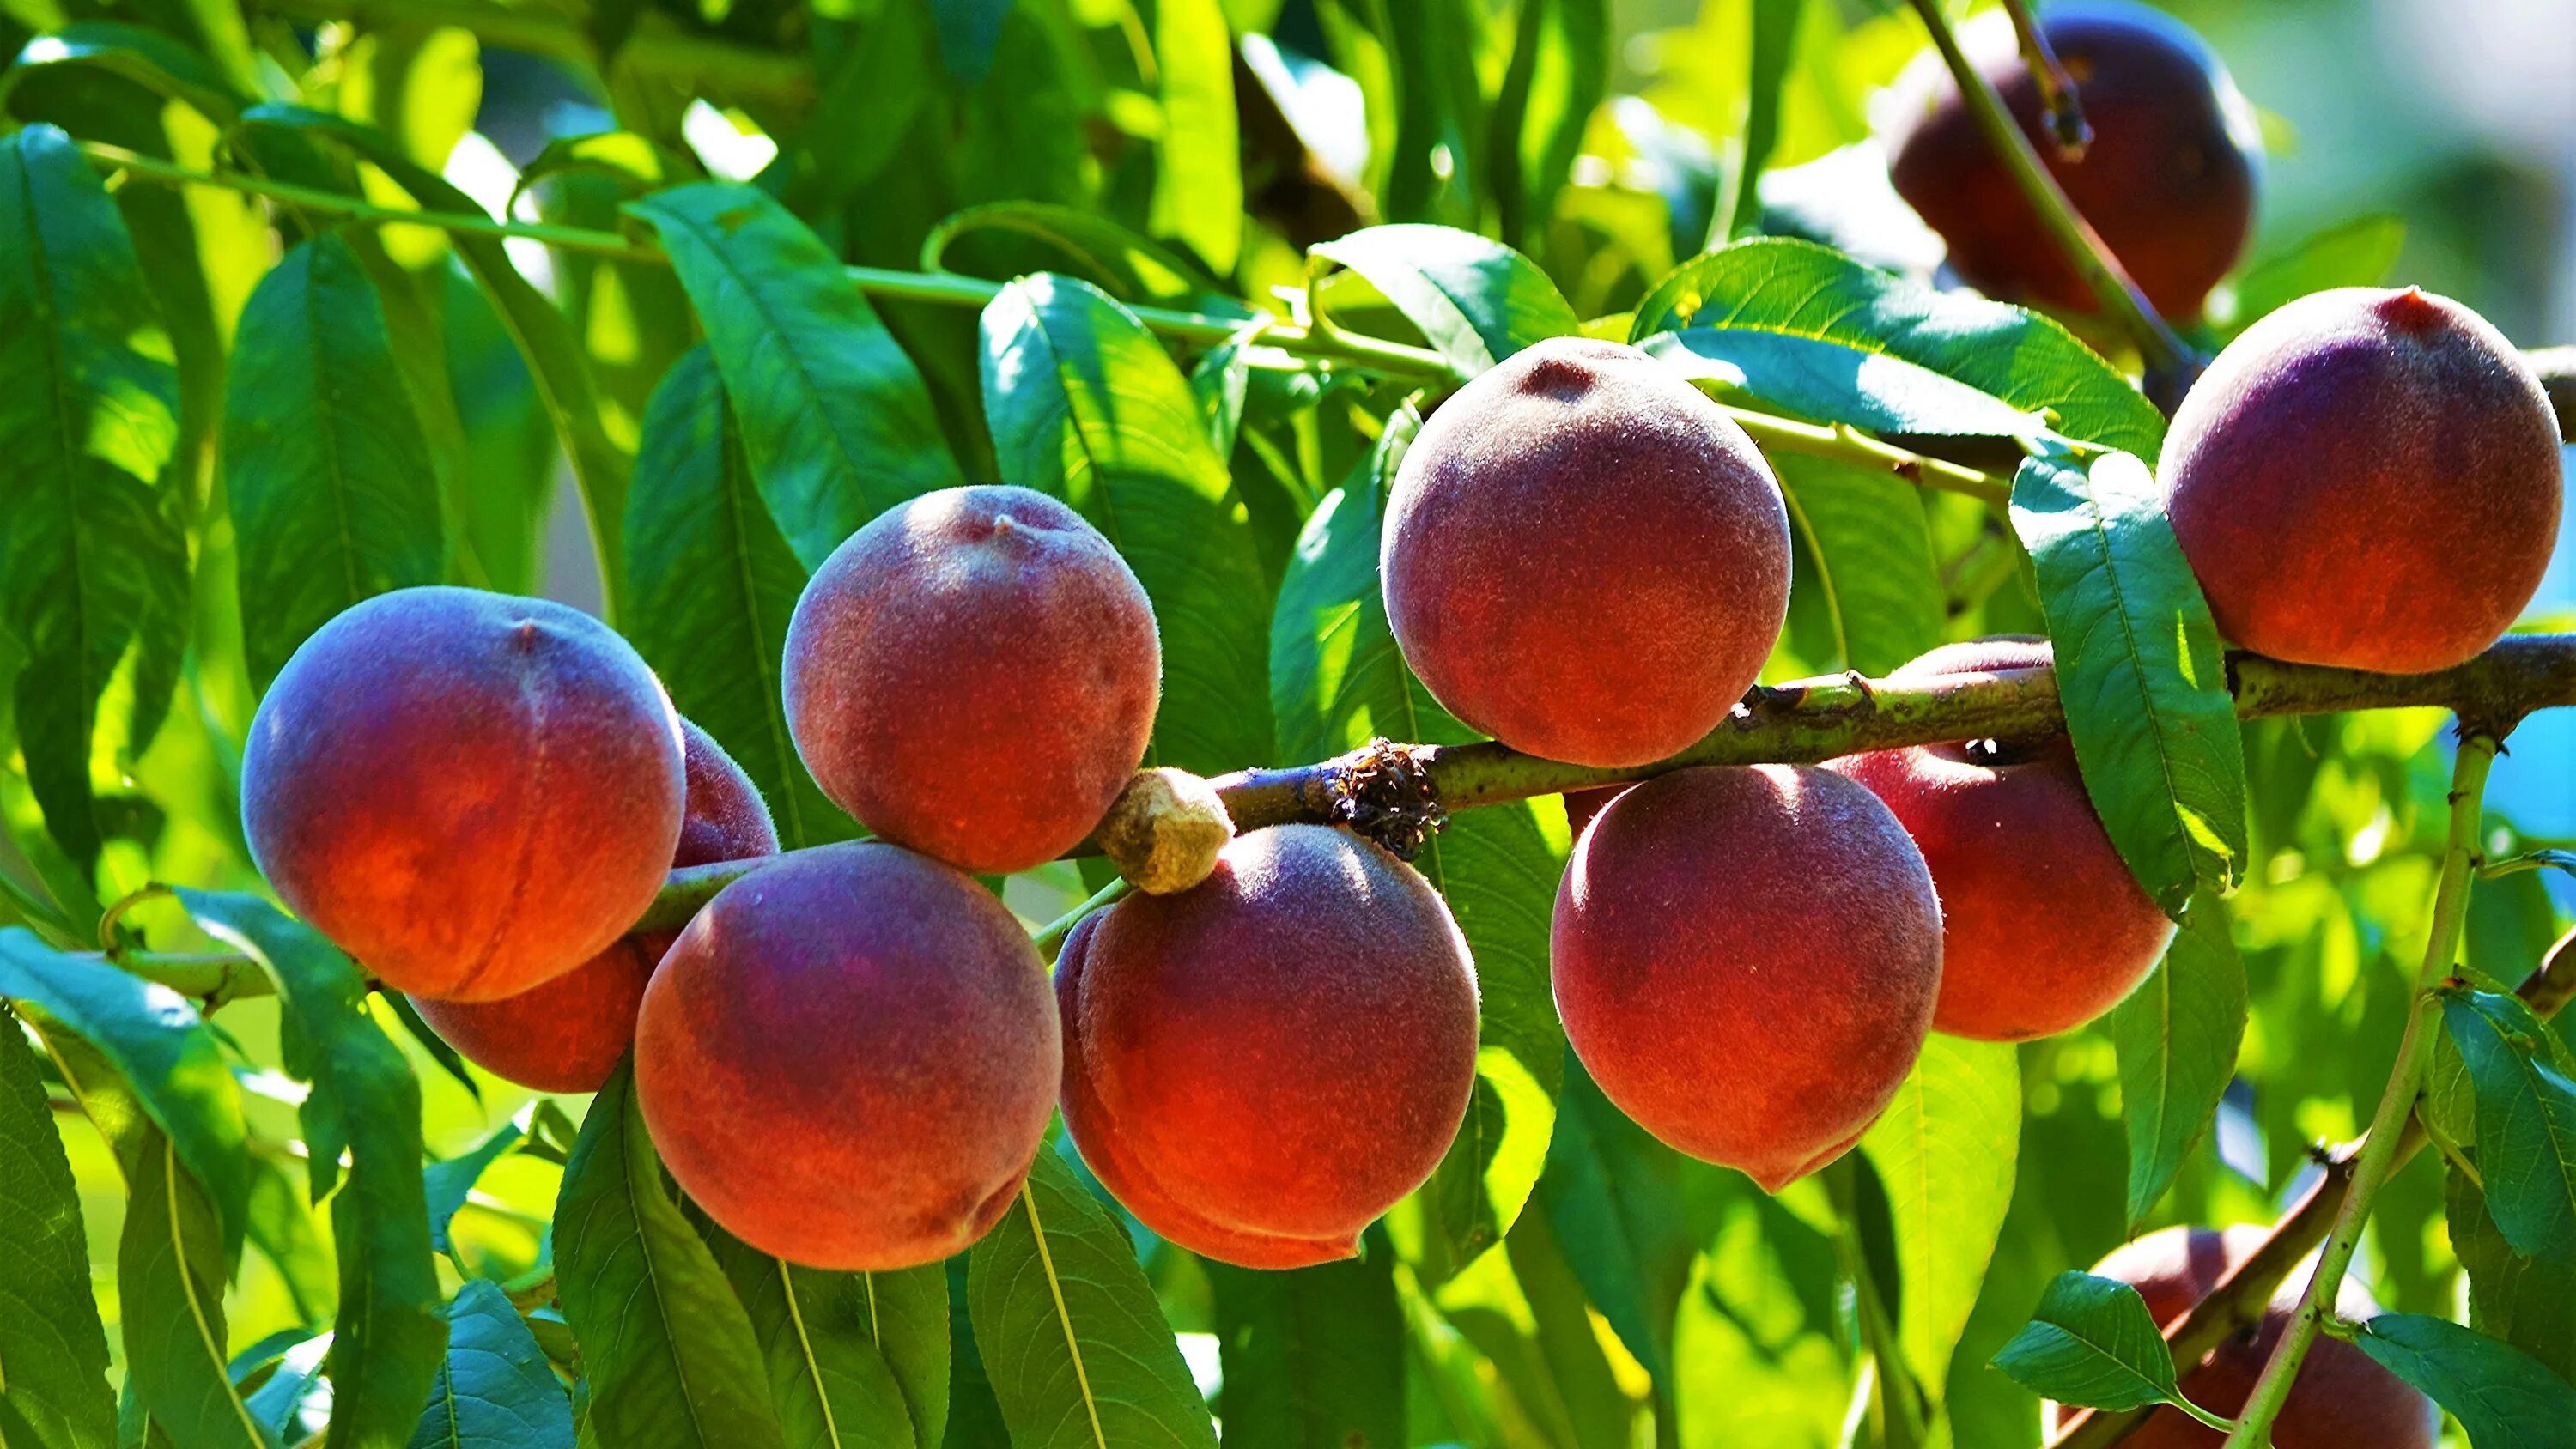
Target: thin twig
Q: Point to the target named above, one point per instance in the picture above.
(2057, 102)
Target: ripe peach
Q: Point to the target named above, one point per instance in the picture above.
(1262, 1064)
(2168, 180)
(2366, 478)
(470, 793)
(2340, 1400)
(848, 1059)
(973, 675)
(2042, 926)
(567, 1035)
(1746, 960)
(1583, 557)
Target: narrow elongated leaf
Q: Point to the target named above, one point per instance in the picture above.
(1337, 680)
(2091, 1341)
(1617, 1200)
(1083, 403)
(2355, 253)
(818, 1331)
(53, 1353)
(1775, 36)
(446, 1184)
(1314, 1357)
(1811, 330)
(1476, 301)
(155, 1041)
(1871, 552)
(1198, 177)
(1947, 1149)
(711, 585)
(91, 570)
(391, 1331)
(2500, 1394)
(2138, 671)
(2526, 1115)
(324, 460)
(1077, 1349)
(170, 1290)
(1127, 266)
(666, 1347)
(2177, 1037)
(282, 1228)
(1559, 71)
(2527, 1302)
(494, 1391)
(836, 422)
(150, 58)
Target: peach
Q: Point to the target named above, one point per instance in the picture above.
(2340, 1400)
(567, 1035)
(1584, 557)
(2366, 478)
(1746, 960)
(849, 1058)
(973, 675)
(2042, 926)
(1261, 1065)
(470, 793)
(2168, 180)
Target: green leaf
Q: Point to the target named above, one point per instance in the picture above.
(711, 585)
(446, 1185)
(324, 461)
(1814, 331)
(1865, 534)
(1617, 1200)
(1109, 256)
(1083, 403)
(495, 1390)
(2091, 1341)
(666, 1346)
(1476, 301)
(93, 576)
(151, 59)
(155, 1041)
(2526, 1115)
(1336, 681)
(1198, 176)
(509, 457)
(1313, 1357)
(1775, 36)
(2527, 1302)
(823, 1338)
(170, 1290)
(2177, 1036)
(836, 422)
(1432, 53)
(391, 1333)
(2138, 671)
(53, 1353)
(876, 76)
(1077, 1349)
(2500, 1394)
(2356, 253)
(1946, 1149)
(1559, 71)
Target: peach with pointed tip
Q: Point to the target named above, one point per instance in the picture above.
(2043, 928)
(2368, 479)
(470, 793)
(849, 1058)
(1259, 1066)
(569, 1034)
(1746, 959)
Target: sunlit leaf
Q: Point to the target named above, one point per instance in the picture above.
(2091, 1341)
(2177, 1036)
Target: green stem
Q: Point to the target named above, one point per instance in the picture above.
(2396, 1104)
(2220, 1422)
(1053, 933)
(2083, 247)
(2057, 99)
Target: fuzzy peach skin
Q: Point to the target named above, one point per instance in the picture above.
(1261, 1065)
(974, 675)
(567, 1035)
(1745, 959)
(468, 792)
(2043, 928)
(1584, 557)
(2340, 1400)
(2366, 478)
(849, 1058)
(2168, 180)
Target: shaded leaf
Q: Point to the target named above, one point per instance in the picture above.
(2527, 1302)
(2526, 1116)
(2500, 1394)
(1313, 1357)
(1871, 553)
(1132, 268)
(1559, 71)
(150, 58)
(2177, 1037)
(53, 1352)
(1083, 403)
(1076, 1347)
(1476, 301)
(836, 422)
(495, 1390)
(447, 1184)
(170, 1289)
(2091, 1341)
(2138, 671)
(818, 1332)
(1947, 1149)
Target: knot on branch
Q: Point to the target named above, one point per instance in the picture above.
(1383, 791)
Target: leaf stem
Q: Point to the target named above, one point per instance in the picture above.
(2405, 1082)
(2119, 296)
(1053, 933)
(2066, 126)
